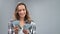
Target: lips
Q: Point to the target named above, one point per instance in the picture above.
(22, 14)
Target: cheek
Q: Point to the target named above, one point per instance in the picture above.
(25, 12)
(22, 13)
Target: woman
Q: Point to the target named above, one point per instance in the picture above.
(22, 23)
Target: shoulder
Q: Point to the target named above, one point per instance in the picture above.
(13, 21)
(33, 23)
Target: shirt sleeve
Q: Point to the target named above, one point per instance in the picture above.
(10, 28)
(33, 29)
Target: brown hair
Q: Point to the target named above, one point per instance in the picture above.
(16, 15)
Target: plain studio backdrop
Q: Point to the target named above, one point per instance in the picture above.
(45, 13)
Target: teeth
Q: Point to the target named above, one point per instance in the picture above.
(21, 14)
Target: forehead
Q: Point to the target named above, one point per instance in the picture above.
(21, 7)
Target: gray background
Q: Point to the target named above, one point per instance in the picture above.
(45, 13)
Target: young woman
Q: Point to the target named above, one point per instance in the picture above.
(22, 23)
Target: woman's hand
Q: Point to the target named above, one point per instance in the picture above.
(25, 31)
(16, 29)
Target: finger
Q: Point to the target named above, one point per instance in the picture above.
(25, 31)
(16, 29)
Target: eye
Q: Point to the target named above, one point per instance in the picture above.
(19, 10)
(23, 9)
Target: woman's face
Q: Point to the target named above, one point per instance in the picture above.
(21, 11)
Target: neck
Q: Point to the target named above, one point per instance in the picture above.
(22, 22)
(21, 19)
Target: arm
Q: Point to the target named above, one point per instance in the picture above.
(33, 31)
(10, 30)
(33, 28)
(30, 30)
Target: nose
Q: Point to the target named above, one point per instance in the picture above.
(21, 11)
